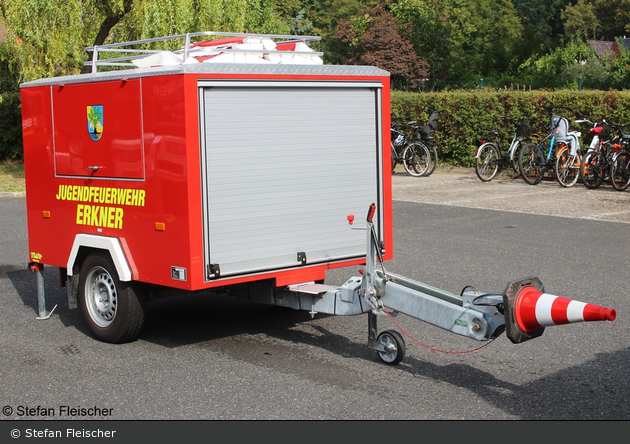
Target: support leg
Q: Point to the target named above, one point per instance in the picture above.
(373, 342)
(41, 292)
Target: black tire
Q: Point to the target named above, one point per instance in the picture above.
(487, 161)
(568, 167)
(113, 310)
(416, 159)
(593, 169)
(434, 159)
(532, 164)
(395, 345)
(516, 171)
(394, 162)
(620, 171)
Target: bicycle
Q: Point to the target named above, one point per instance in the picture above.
(599, 160)
(422, 136)
(568, 165)
(620, 167)
(537, 158)
(590, 173)
(398, 142)
(414, 156)
(490, 160)
(426, 138)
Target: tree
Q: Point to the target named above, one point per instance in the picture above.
(296, 13)
(325, 16)
(491, 45)
(47, 38)
(462, 39)
(613, 17)
(113, 15)
(596, 19)
(156, 18)
(620, 67)
(541, 20)
(432, 32)
(50, 35)
(563, 66)
(378, 42)
(10, 115)
(580, 21)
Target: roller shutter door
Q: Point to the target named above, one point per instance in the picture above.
(282, 167)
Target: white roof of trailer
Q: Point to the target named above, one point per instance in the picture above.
(216, 68)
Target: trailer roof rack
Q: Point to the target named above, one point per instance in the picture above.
(228, 47)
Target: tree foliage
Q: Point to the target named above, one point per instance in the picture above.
(446, 40)
(580, 20)
(434, 35)
(50, 36)
(379, 41)
(325, 16)
(613, 17)
(542, 22)
(463, 39)
(156, 18)
(541, 43)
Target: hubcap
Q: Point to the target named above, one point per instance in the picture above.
(390, 345)
(101, 296)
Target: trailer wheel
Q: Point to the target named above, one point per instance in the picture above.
(395, 345)
(113, 311)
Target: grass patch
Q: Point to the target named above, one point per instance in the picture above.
(12, 176)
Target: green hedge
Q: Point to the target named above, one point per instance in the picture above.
(10, 127)
(467, 117)
(10, 110)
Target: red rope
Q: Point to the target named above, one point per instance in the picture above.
(435, 349)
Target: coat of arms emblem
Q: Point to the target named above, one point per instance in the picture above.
(95, 121)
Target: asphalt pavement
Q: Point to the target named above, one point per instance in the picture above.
(212, 357)
(461, 187)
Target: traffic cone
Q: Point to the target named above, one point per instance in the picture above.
(528, 310)
(534, 309)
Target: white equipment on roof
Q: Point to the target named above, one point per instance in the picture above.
(230, 48)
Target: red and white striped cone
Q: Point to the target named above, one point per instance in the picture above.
(534, 310)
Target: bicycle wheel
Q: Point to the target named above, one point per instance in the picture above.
(593, 169)
(487, 161)
(516, 151)
(532, 164)
(434, 158)
(620, 171)
(416, 159)
(567, 168)
(394, 162)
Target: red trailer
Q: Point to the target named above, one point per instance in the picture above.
(228, 163)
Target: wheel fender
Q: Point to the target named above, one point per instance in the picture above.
(480, 147)
(111, 244)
